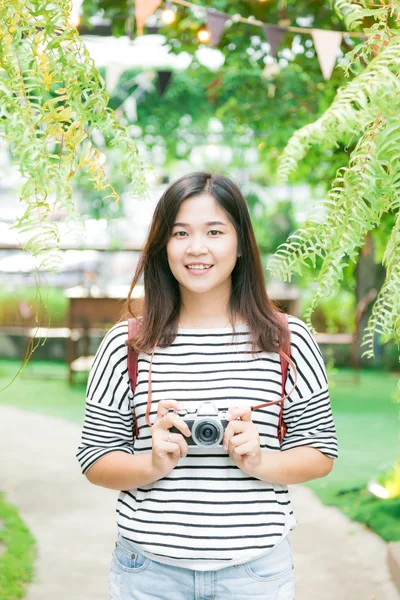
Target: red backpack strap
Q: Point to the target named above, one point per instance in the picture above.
(133, 325)
(284, 369)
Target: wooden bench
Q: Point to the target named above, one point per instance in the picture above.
(82, 364)
(338, 339)
(95, 314)
(42, 333)
(349, 339)
(334, 338)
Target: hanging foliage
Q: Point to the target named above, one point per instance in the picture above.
(366, 111)
(52, 100)
(250, 90)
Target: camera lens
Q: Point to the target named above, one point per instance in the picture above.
(207, 433)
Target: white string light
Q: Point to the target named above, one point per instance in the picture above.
(168, 15)
(203, 35)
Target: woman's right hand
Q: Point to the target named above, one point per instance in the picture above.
(166, 454)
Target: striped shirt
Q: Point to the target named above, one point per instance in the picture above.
(207, 513)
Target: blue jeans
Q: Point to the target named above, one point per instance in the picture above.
(133, 576)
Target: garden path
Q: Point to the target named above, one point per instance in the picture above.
(74, 523)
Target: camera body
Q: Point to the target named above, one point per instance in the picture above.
(206, 424)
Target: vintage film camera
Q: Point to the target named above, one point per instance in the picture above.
(207, 425)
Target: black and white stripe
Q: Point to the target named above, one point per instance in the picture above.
(207, 513)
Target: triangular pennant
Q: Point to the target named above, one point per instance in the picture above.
(274, 34)
(144, 8)
(164, 79)
(129, 107)
(113, 73)
(216, 25)
(327, 44)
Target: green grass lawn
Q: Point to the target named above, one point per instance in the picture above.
(42, 387)
(367, 423)
(366, 417)
(16, 563)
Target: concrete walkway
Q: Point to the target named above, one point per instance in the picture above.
(74, 523)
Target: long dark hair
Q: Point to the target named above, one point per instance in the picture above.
(161, 306)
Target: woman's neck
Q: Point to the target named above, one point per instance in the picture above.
(208, 310)
(213, 322)
(203, 318)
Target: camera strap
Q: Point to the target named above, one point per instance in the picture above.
(133, 325)
(285, 360)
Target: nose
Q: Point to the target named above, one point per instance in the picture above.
(197, 247)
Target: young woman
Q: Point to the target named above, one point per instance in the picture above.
(198, 522)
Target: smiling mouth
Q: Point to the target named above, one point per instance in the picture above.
(198, 267)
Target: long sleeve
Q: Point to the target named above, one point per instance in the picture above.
(307, 412)
(108, 424)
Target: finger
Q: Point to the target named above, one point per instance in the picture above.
(242, 412)
(229, 432)
(173, 420)
(246, 448)
(168, 447)
(235, 429)
(164, 406)
(232, 429)
(237, 441)
(176, 441)
(241, 438)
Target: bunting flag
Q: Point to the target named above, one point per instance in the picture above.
(273, 34)
(114, 71)
(130, 109)
(216, 25)
(164, 79)
(327, 44)
(144, 8)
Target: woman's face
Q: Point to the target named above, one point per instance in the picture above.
(202, 237)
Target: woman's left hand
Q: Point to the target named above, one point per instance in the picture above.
(242, 441)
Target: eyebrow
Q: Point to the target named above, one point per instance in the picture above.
(209, 224)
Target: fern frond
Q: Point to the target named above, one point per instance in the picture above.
(351, 210)
(354, 109)
(385, 317)
(366, 109)
(51, 95)
(350, 12)
(365, 190)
